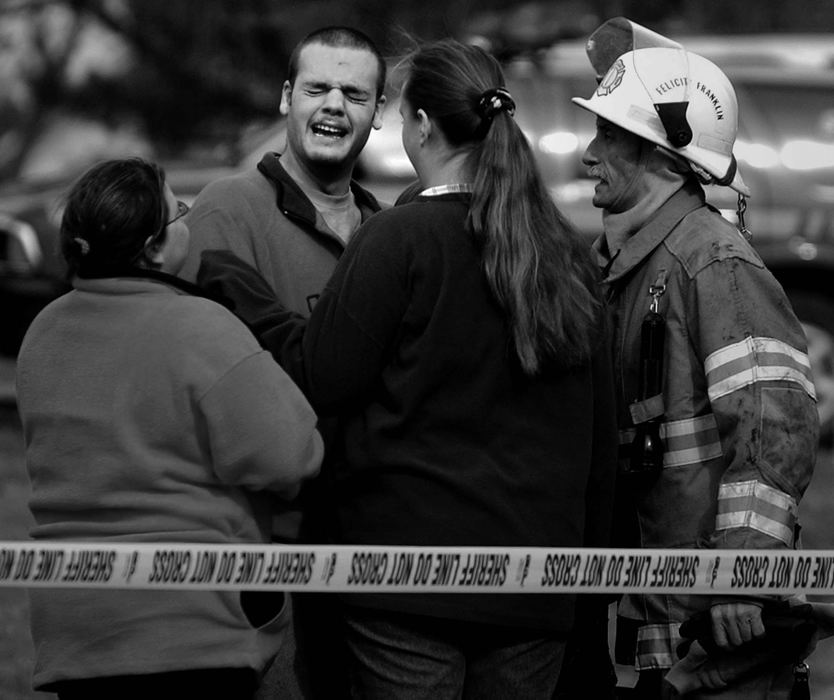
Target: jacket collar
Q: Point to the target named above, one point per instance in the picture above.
(656, 229)
(137, 273)
(292, 200)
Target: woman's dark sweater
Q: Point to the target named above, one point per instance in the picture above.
(446, 441)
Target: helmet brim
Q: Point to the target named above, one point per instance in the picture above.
(704, 159)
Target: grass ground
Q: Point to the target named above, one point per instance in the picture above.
(16, 651)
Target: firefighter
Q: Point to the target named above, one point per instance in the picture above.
(717, 415)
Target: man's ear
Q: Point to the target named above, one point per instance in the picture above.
(378, 110)
(425, 126)
(286, 98)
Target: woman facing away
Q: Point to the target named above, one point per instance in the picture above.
(461, 341)
(150, 413)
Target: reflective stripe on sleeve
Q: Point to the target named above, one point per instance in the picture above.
(756, 360)
(752, 504)
(656, 646)
(687, 441)
(690, 441)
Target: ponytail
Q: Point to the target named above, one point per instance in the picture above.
(537, 266)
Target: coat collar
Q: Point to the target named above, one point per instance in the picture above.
(132, 279)
(656, 229)
(292, 200)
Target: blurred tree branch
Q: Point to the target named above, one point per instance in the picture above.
(214, 75)
(199, 70)
(41, 74)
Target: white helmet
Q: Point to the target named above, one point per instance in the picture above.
(678, 100)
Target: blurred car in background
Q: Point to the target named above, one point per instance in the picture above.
(785, 147)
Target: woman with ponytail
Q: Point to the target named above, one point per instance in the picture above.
(536, 265)
(461, 343)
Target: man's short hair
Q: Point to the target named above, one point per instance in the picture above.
(339, 37)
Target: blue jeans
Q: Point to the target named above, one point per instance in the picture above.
(411, 657)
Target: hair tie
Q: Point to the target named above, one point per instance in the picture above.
(495, 100)
(83, 244)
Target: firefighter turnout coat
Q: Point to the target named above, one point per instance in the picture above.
(737, 410)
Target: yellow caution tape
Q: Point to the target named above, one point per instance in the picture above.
(393, 569)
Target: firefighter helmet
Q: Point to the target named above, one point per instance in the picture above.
(678, 100)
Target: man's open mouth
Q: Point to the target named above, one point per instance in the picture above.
(328, 130)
